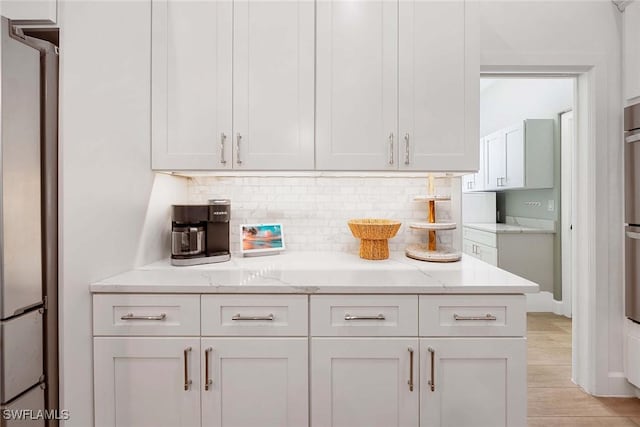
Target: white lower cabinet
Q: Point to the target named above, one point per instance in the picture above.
(237, 382)
(472, 375)
(364, 382)
(480, 251)
(255, 382)
(147, 382)
(473, 382)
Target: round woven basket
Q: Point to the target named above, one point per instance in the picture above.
(374, 234)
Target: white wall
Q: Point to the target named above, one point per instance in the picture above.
(107, 188)
(314, 210)
(527, 35)
(508, 101)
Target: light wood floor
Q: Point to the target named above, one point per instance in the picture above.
(554, 400)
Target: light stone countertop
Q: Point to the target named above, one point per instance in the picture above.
(319, 273)
(507, 228)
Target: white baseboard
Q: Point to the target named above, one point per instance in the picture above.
(620, 387)
(558, 308)
(543, 302)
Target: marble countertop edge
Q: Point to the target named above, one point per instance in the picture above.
(319, 273)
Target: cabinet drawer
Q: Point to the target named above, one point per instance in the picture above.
(263, 315)
(364, 315)
(472, 315)
(146, 315)
(478, 236)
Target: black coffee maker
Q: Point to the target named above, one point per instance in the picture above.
(200, 233)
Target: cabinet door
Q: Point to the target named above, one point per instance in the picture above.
(191, 84)
(496, 160)
(477, 382)
(147, 382)
(273, 84)
(40, 10)
(356, 85)
(469, 248)
(476, 181)
(363, 382)
(439, 85)
(255, 382)
(514, 156)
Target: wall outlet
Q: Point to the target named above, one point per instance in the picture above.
(551, 205)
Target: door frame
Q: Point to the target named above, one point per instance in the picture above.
(597, 267)
(567, 201)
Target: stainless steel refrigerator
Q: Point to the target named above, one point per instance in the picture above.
(28, 221)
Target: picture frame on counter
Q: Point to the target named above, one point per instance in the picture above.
(261, 239)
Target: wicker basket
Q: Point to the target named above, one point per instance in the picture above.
(374, 235)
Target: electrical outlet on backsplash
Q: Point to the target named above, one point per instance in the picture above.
(314, 210)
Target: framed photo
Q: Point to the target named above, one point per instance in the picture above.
(261, 239)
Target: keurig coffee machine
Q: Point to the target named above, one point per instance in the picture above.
(200, 233)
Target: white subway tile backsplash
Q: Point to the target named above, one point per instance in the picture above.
(314, 210)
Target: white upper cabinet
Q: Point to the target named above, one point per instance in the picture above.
(514, 153)
(397, 86)
(357, 85)
(496, 159)
(631, 34)
(520, 156)
(476, 181)
(191, 84)
(325, 85)
(439, 86)
(250, 60)
(40, 10)
(273, 66)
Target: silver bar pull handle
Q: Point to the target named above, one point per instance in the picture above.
(410, 382)
(131, 316)
(207, 379)
(239, 317)
(238, 139)
(487, 316)
(407, 159)
(391, 148)
(380, 316)
(432, 381)
(187, 381)
(223, 138)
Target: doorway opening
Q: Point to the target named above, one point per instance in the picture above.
(524, 193)
(523, 190)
